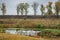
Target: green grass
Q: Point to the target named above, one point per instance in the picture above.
(53, 30)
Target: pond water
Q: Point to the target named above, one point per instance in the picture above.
(22, 32)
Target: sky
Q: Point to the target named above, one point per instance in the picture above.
(11, 6)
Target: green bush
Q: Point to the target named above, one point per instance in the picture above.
(58, 26)
(38, 26)
(49, 33)
(2, 30)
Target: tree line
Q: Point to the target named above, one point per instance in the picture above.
(21, 7)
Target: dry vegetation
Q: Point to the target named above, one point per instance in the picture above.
(5, 36)
(30, 22)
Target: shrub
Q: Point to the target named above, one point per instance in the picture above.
(17, 26)
(58, 26)
(38, 26)
(48, 33)
(2, 30)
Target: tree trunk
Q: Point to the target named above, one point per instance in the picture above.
(34, 12)
(42, 13)
(21, 12)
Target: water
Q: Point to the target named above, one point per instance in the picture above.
(22, 32)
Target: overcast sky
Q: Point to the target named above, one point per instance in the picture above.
(12, 4)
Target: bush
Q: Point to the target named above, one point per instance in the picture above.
(58, 26)
(48, 33)
(17, 26)
(2, 30)
(38, 26)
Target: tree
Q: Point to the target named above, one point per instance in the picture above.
(49, 7)
(35, 6)
(57, 8)
(26, 6)
(42, 9)
(21, 8)
(3, 8)
(18, 9)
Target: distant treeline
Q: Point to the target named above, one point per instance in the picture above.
(23, 8)
(28, 16)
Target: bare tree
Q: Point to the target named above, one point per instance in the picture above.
(35, 6)
(26, 6)
(57, 8)
(3, 8)
(42, 9)
(21, 8)
(49, 7)
(18, 10)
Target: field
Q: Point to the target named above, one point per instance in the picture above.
(29, 22)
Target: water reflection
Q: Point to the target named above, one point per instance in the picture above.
(23, 32)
